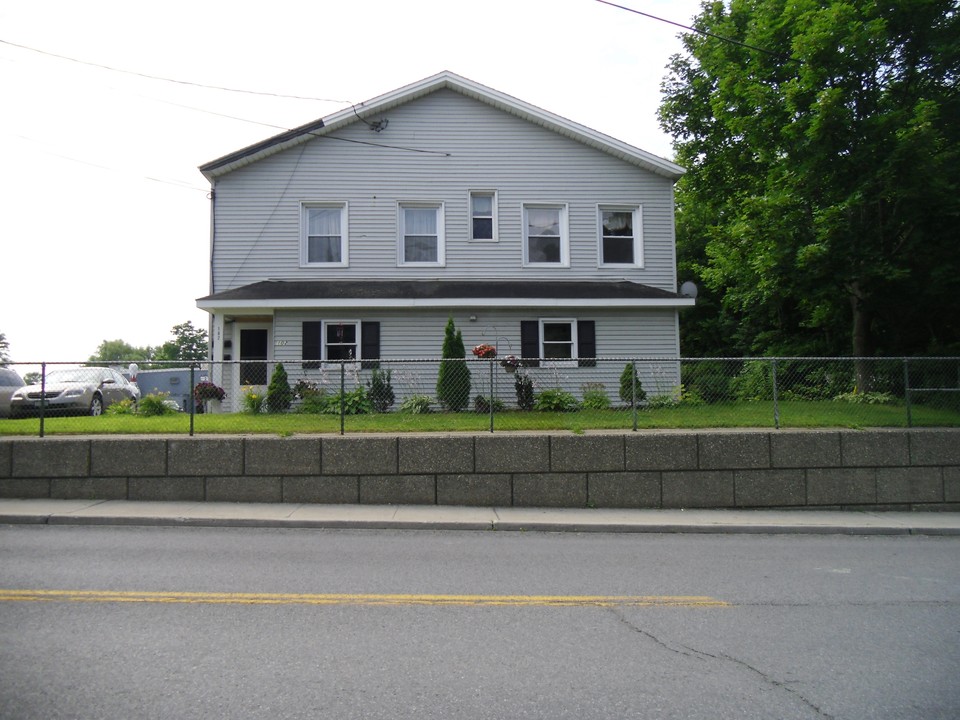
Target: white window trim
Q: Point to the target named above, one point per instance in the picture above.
(495, 215)
(328, 363)
(564, 234)
(637, 211)
(441, 233)
(344, 234)
(574, 348)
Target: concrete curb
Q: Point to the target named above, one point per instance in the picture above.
(411, 517)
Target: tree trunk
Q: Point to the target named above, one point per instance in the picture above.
(862, 340)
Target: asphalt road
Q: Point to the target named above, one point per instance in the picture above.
(101, 622)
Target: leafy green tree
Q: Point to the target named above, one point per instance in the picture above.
(4, 350)
(119, 350)
(279, 394)
(823, 188)
(189, 343)
(453, 380)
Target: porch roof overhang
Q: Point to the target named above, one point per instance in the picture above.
(271, 295)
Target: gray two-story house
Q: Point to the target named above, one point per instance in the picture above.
(358, 235)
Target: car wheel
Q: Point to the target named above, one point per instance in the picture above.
(96, 406)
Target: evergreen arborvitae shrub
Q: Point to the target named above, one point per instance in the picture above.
(626, 393)
(380, 390)
(279, 394)
(453, 380)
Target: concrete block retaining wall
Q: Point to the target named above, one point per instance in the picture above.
(881, 469)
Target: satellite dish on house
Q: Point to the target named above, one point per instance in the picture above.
(689, 289)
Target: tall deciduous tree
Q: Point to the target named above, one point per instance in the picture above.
(4, 350)
(119, 351)
(822, 199)
(189, 343)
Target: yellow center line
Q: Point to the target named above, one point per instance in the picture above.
(359, 599)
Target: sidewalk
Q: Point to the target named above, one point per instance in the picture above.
(440, 517)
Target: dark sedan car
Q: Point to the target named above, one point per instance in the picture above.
(79, 391)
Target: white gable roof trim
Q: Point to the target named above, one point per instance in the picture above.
(449, 81)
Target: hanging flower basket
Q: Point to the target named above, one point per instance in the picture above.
(510, 363)
(485, 351)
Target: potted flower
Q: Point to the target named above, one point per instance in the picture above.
(205, 392)
(485, 351)
(510, 363)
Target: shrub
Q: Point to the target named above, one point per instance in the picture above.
(156, 404)
(416, 405)
(380, 390)
(709, 380)
(556, 400)
(253, 402)
(453, 380)
(754, 382)
(482, 404)
(124, 407)
(305, 389)
(279, 394)
(355, 402)
(523, 386)
(630, 388)
(866, 398)
(316, 403)
(595, 396)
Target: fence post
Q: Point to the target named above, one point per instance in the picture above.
(906, 390)
(193, 399)
(43, 394)
(493, 393)
(633, 394)
(776, 400)
(343, 399)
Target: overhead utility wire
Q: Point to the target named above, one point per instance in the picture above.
(313, 134)
(170, 80)
(695, 30)
(226, 89)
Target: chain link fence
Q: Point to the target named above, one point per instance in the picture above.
(478, 395)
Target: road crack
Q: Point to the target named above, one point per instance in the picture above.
(687, 651)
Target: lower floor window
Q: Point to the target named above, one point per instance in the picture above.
(559, 339)
(340, 340)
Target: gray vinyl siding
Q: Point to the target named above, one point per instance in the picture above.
(418, 335)
(472, 146)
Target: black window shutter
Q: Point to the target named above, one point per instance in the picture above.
(587, 343)
(312, 344)
(530, 342)
(369, 345)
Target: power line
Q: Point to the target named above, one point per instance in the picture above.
(175, 183)
(171, 80)
(695, 30)
(234, 117)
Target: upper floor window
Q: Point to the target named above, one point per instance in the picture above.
(324, 234)
(621, 236)
(545, 235)
(421, 234)
(483, 215)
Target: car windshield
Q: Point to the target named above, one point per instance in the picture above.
(80, 375)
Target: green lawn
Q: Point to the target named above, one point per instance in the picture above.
(793, 414)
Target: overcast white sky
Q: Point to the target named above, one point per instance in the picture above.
(104, 217)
